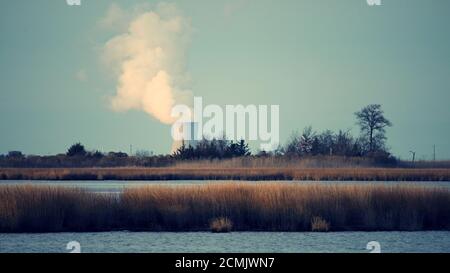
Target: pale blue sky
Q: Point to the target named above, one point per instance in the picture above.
(320, 60)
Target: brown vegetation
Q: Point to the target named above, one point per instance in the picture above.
(221, 225)
(228, 173)
(319, 225)
(250, 207)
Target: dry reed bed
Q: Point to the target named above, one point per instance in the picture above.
(207, 173)
(249, 207)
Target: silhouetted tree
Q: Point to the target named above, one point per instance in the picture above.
(326, 140)
(215, 148)
(143, 153)
(279, 151)
(242, 149)
(292, 147)
(373, 123)
(118, 154)
(307, 140)
(343, 143)
(96, 154)
(15, 154)
(76, 150)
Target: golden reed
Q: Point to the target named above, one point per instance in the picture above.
(240, 206)
(226, 173)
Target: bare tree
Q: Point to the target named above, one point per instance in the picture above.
(307, 140)
(373, 123)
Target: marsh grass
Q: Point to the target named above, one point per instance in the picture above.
(250, 207)
(221, 225)
(319, 225)
(47, 209)
(228, 172)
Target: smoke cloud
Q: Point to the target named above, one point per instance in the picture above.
(148, 57)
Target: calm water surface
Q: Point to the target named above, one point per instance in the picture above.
(297, 242)
(119, 186)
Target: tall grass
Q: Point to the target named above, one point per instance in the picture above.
(320, 225)
(47, 209)
(436, 164)
(228, 173)
(221, 225)
(280, 162)
(250, 207)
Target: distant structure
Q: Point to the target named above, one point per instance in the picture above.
(434, 152)
(413, 156)
(191, 134)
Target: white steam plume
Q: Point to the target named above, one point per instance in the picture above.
(149, 59)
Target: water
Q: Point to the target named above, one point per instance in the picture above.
(119, 186)
(186, 242)
(272, 242)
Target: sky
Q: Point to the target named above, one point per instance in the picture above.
(319, 60)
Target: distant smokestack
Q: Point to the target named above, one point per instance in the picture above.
(191, 135)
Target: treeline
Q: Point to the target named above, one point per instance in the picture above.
(78, 156)
(305, 145)
(212, 149)
(371, 143)
(82, 158)
(341, 143)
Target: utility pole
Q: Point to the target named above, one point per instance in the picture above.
(414, 155)
(131, 149)
(434, 152)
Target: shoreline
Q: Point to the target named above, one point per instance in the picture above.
(244, 174)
